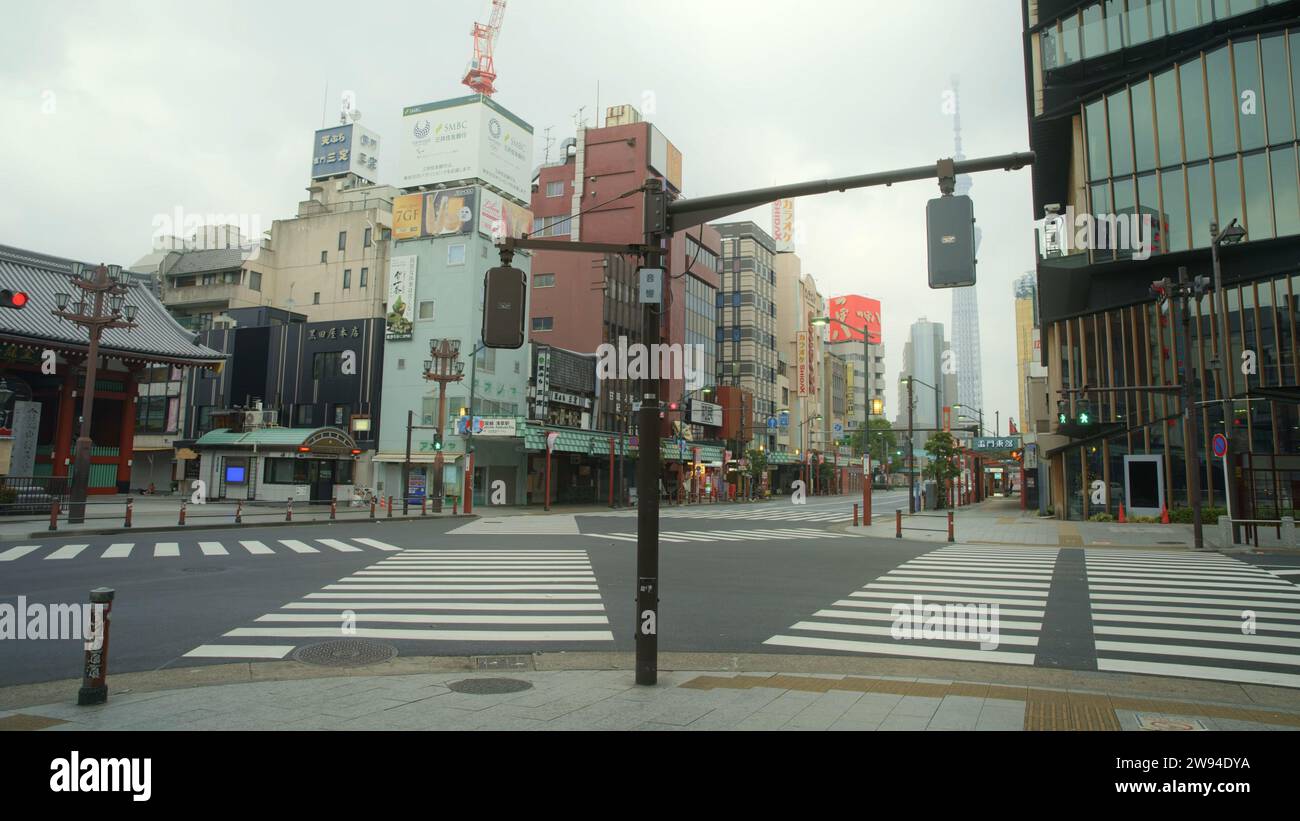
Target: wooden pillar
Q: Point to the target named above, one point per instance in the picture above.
(125, 444)
(62, 449)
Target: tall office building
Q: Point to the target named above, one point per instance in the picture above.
(1185, 111)
(965, 301)
(923, 358)
(746, 329)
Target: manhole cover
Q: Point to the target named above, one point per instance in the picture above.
(207, 569)
(489, 686)
(1154, 721)
(345, 653)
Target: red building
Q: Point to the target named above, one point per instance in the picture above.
(580, 301)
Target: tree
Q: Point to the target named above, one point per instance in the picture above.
(757, 467)
(942, 449)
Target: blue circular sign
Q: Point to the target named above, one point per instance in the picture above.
(1220, 444)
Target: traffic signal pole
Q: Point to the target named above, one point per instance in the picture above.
(664, 218)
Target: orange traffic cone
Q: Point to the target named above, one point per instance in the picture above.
(1164, 515)
(1122, 520)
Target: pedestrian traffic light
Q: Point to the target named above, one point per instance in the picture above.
(1202, 285)
(1062, 412)
(1085, 413)
(437, 440)
(12, 299)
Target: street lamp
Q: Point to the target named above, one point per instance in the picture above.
(442, 368)
(980, 411)
(1231, 235)
(911, 445)
(105, 281)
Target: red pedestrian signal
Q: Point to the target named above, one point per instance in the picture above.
(12, 299)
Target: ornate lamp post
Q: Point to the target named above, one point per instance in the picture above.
(104, 284)
(442, 368)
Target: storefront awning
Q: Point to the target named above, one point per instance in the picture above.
(323, 441)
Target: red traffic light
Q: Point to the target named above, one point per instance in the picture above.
(12, 299)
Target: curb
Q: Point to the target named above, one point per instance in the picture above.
(178, 678)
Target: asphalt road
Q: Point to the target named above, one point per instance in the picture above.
(772, 577)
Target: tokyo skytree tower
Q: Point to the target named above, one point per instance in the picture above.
(965, 302)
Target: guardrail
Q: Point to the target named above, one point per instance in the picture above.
(1285, 526)
(898, 523)
(32, 494)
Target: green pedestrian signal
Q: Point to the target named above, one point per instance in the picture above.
(437, 441)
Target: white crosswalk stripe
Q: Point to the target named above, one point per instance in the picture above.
(546, 598)
(172, 549)
(555, 524)
(684, 536)
(1193, 615)
(956, 603)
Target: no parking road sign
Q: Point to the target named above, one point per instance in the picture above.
(1219, 444)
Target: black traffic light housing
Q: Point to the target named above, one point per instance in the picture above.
(437, 440)
(505, 299)
(1062, 412)
(13, 299)
(1084, 417)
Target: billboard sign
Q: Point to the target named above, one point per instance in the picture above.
(705, 413)
(664, 158)
(435, 213)
(856, 312)
(803, 354)
(463, 139)
(783, 224)
(498, 217)
(344, 149)
(401, 297)
(487, 426)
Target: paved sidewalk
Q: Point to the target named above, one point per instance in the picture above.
(107, 514)
(1001, 521)
(608, 699)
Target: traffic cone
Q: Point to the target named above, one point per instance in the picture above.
(1122, 520)
(1164, 515)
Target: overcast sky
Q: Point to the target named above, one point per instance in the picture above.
(120, 112)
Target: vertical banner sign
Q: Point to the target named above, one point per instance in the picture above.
(783, 224)
(401, 297)
(803, 355)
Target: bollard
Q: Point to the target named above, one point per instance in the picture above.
(94, 681)
(390, 507)
(455, 500)
(181, 520)
(424, 505)
(239, 512)
(898, 524)
(855, 514)
(54, 515)
(372, 507)
(950, 538)
(288, 510)
(130, 503)
(333, 509)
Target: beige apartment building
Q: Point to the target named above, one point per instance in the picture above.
(798, 303)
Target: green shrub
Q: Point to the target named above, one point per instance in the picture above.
(1101, 517)
(1144, 520)
(1209, 515)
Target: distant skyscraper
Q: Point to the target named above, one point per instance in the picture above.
(965, 301)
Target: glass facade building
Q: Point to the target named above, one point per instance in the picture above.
(1183, 115)
(746, 317)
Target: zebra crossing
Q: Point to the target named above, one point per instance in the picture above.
(517, 597)
(558, 524)
(778, 534)
(778, 511)
(1193, 616)
(173, 550)
(959, 603)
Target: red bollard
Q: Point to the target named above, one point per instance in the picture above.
(390, 507)
(898, 524)
(181, 520)
(950, 538)
(855, 514)
(129, 506)
(239, 512)
(288, 511)
(94, 681)
(54, 516)
(333, 509)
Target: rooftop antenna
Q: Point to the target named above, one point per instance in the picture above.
(324, 103)
(578, 120)
(548, 139)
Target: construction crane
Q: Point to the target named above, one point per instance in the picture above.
(482, 72)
